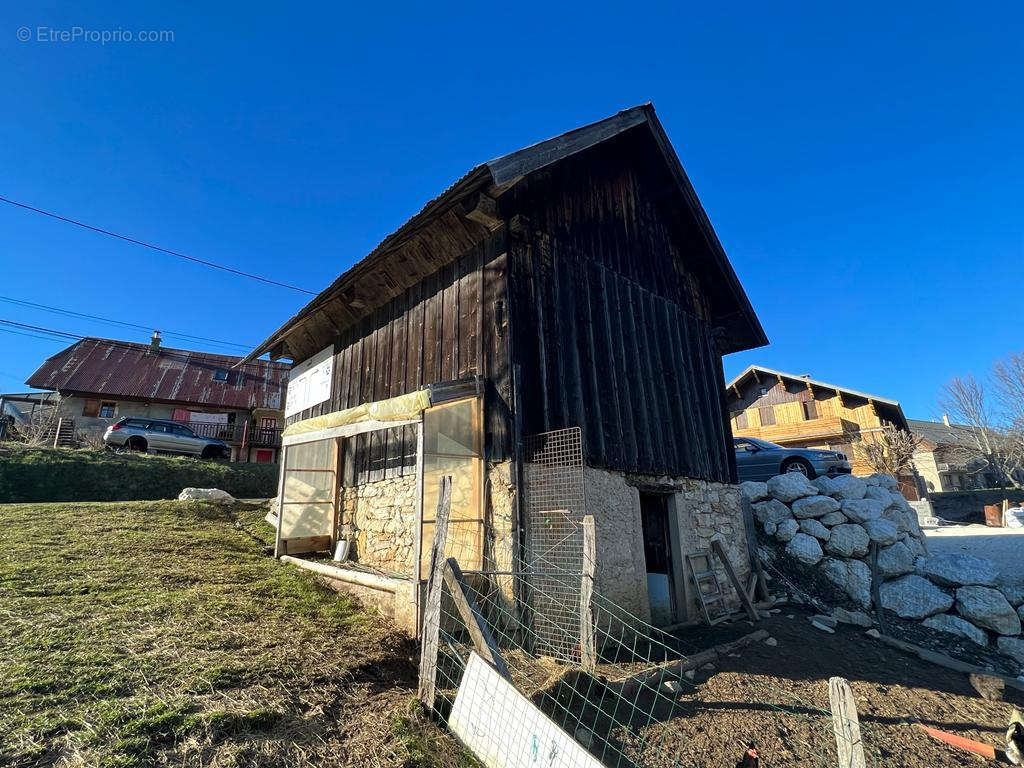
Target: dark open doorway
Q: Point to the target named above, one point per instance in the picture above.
(659, 558)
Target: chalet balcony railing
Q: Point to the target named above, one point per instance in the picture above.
(236, 433)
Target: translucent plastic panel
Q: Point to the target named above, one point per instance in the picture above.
(305, 485)
(310, 480)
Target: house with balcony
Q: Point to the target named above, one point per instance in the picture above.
(797, 411)
(102, 380)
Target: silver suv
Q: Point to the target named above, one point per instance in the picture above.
(163, 436)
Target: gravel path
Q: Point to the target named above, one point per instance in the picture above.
(1004, 546)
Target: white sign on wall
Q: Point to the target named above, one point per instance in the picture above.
(310, 382)
(504, 729)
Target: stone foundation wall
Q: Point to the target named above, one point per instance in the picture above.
(699, 510)
(380, 519)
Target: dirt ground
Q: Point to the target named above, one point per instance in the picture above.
(776, 699)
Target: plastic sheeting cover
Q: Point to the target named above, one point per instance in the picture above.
(401, 408)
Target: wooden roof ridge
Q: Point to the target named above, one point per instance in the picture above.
(503, 172)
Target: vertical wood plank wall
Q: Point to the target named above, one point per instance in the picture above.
(451, 325)
(611, 327)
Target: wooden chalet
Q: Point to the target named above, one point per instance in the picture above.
(562, 308)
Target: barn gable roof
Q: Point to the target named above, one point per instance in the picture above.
(441, 231)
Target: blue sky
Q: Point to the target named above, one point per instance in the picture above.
(863, 167)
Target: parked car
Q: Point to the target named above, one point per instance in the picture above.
(758, 460)
(163, 436)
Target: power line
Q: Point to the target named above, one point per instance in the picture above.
(123, 323)
(32, 331)
(144, 244)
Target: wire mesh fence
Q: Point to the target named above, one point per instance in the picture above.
(612, 688)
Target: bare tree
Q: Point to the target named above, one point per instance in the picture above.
(889, 450)
(989, 422)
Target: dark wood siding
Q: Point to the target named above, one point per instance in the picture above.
(450, 326)
(639, 374)
(611, 320)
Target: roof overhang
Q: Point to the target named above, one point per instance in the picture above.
(347, 299)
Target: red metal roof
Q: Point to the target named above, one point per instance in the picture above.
(125, 369)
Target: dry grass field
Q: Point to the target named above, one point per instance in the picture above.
(160, 633)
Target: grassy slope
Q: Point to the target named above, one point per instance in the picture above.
(152, 633)
(62, 474)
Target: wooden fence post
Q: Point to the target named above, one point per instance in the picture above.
(849, 747)
(588, 644)
(745, 600)
(483, 640)
(432, 611)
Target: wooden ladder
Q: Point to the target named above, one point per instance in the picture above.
(709, 591)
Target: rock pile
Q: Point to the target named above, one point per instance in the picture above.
(829, 524)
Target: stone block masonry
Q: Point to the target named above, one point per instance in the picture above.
(699, 510)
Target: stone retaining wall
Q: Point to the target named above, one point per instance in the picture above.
(830, 524)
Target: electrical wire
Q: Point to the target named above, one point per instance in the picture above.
(122, 323)
(33, 331)
(144, 244)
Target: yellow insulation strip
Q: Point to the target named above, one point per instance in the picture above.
(401, 408)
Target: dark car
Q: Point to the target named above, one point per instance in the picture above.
(758, 460)
(162, 436)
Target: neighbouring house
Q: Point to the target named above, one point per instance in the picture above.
(943, 459)
(797, 411)
(549, 332)
(20, 409)
(102, 380)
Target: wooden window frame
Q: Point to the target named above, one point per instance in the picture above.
(113, 409)
(810, 410)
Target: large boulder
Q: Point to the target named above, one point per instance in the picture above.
(848, 487)
(754, 490)
(895, 560)
(877, 493)
(770, 528)
(216, 495)
(858, 582)
(859, 510)
(987, 608)
(955, 569)
(813, 528)
(804, 548)
(856, 618)
(1012, 647)
(898, 518)
(824, 484)
(914, 597)
(790, 486)
(834, 518)
(771, 511)
(786, 530)
(835, 571)
(851, 576)
(954, 625)
(881, 531)
(848, 540)
(1012, 589)
(885, 481)
(915, 545)
(814, 506)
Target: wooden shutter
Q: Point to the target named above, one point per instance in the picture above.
(91, 408)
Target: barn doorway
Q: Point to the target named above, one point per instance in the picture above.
(659, 558)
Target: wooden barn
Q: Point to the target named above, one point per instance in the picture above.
(549, 332)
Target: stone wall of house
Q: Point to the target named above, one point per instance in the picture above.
(380, 520)
(699, 510)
